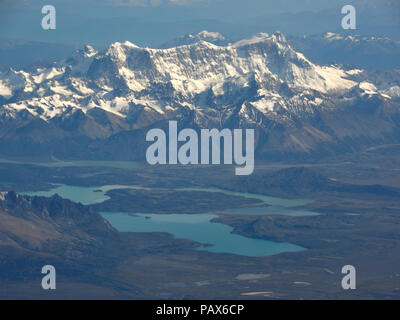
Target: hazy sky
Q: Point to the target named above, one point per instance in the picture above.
(151, 22)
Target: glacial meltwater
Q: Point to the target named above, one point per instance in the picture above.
(199, 228)
(215, 237)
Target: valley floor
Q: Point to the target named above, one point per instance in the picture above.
(359, 224)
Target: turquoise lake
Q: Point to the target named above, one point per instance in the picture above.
(199, 228)
(93, 195)
(196, 227)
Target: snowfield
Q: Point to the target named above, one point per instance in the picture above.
(263, 72)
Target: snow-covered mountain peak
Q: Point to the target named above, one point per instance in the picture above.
(277, 37)
(212, 37)
(331, 36)
(264, 73)
(86, 52)
(89, 51)
(209, 35)
(255, 39)
(119, 50)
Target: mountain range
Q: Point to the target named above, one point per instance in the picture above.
(366, 52)
(100, 104)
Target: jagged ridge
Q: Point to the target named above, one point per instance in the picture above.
(100, 102)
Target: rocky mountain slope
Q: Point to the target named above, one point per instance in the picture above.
(35, 231)
(100, 104)
(29, 222)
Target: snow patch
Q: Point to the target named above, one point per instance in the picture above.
(368, 87)
(331, 36)
(5, 91)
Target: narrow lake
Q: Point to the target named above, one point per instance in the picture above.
(93, 195)
(197, 227)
